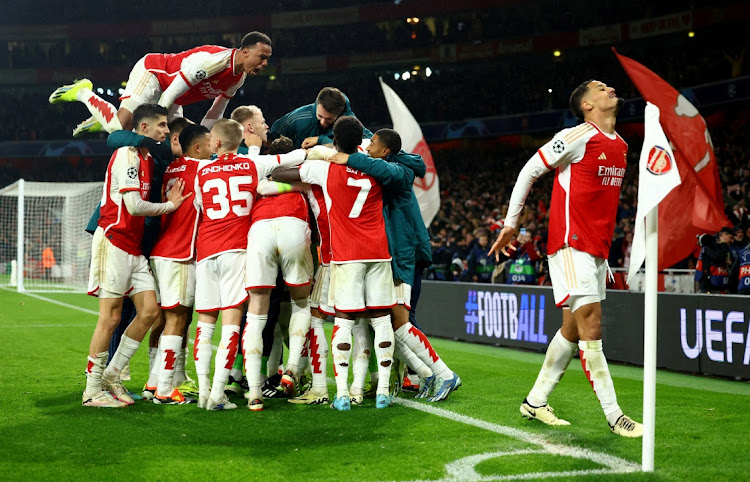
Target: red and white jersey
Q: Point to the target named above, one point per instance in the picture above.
(355, 211)
(286, 205)
(589, 167)
(128, 170)
(224, 189)
(208, 70)
(179, 228)
(316, 198)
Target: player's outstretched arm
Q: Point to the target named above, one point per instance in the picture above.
(267, 187)
(286, 175)
(392, 175)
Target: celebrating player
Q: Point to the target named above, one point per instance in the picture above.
(173, 80)
(117, 262)
(396, 170)
(173, 262)
(589, 162)
(225, 188)
(361, 278)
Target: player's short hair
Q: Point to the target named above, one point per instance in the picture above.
(347, 134)
(391, 139)
(190, 135)
(178, 125)
(253, 38)
(148, 112)
(230, 132)
(282, 145)
(244, 113)
(332, 100)
(577, 97)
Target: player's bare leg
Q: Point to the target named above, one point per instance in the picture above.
(560, 352)
(299, 325)
(252, 344)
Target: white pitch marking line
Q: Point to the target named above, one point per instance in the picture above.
(614, 463)
(66, 305)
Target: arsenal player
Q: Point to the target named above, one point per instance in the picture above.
(361, 282)
(118, 266)
(225, 188)
(173, 261)
(589, 162)
(173, 80)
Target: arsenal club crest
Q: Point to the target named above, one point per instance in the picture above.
(659, 161)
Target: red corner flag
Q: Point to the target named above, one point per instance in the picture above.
(697, 205)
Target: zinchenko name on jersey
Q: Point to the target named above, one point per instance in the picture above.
(225, 168)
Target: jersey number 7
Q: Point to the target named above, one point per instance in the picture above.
(364, 186)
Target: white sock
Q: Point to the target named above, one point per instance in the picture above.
(252, 351)
(225, 356)
(202, 351)
(94, 371)
(102, 110)
(404, 353)
(597, 371)
(341, 348)
(170, 347)
(122, 356)
(180, 376)
(318, 354)
(153, 366)
(384, 340)
(559, 353)
(274, 356)
(361, 350)
(299, 324)
(420, 345)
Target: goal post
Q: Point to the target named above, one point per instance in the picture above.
(43, 244)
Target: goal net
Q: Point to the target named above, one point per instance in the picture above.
(43, 245)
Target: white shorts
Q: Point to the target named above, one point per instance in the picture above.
(115, 273)
(361, 286)
(578, 278)
(278, 243)
(142, 87)
(176, 282)
(403, 294)
(319, 294)
(220, 282)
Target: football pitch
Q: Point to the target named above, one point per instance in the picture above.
(477, 434)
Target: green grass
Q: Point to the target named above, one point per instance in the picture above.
(45, 433)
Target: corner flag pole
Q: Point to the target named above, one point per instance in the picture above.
(649, 339)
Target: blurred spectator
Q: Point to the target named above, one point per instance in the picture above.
(716, 261)
(480, 264)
